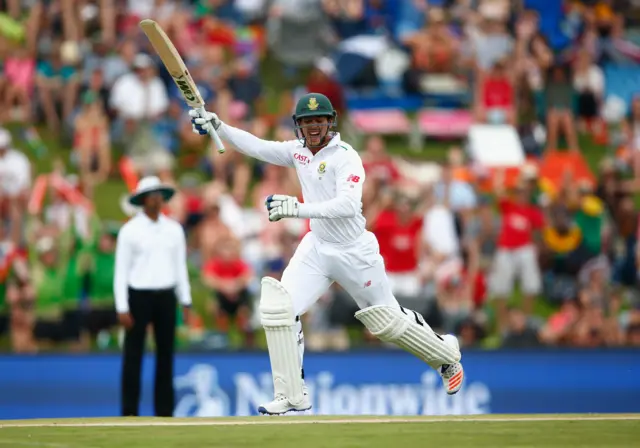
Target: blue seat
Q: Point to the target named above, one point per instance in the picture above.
(622, 81)
(378, 99)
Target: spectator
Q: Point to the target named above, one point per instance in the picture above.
(20, 78)
(17, 295)
(520, 333)
(228, 276)
(245, 87)
(97, 86)
(212, 231)
(434, 49)
(321, 331)
(378, 164)
(490, 40)
(397, 223)
(590, 218)
(50, 264)
(441, 263)
(102, 314)
(275, 178)
(15, 183)
(119, 64)
(632, 327)
(559, 327)
(58, 85)
(138, 97)
(516, 257)
(588, 83)
(232, 169)
(458, 195)
(496, 103)
(559, 100)
(92, 145)
(482, 232)
(297, 31)
(563, 254)
(462, 291)
(631, 129)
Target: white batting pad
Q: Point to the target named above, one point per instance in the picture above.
(279, 322)
(408, 330)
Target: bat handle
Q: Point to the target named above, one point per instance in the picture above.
(214, 134)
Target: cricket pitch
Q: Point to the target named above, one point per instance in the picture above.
(584, 430)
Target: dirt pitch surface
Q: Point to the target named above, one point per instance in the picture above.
(585, 430)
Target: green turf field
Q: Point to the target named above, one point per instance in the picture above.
(315, 432)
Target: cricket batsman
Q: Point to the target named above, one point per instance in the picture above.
(338, 248)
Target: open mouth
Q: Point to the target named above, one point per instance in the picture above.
(314, 132)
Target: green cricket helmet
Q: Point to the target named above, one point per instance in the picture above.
(314, 105)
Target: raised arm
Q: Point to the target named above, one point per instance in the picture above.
(277, 153)
(348, 202)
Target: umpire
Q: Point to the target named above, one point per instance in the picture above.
(150, 274)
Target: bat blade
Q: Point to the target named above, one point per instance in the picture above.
(173, 62)
(177, 69)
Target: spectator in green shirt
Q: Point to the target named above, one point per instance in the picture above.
(53, 271)
(102, 314)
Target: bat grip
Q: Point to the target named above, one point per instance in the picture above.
(214, 134)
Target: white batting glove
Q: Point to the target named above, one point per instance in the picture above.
(204, 124)
(281, 206)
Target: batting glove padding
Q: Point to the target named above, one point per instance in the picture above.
(282, 206)
(206, 124)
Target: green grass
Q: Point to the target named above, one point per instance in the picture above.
(316, 432)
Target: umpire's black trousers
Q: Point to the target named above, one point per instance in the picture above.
(156, 307)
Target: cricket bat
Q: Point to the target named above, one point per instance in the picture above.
(177, 69)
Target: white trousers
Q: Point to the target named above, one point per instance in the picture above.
(357, 267)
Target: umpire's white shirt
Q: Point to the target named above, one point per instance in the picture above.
(151, 255)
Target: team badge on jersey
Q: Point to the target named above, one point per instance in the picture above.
(322, 167)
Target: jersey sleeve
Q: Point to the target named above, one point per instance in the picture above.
(276, 153)
(348, 201)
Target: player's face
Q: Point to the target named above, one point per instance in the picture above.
(314, 130)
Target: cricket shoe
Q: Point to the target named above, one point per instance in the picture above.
(281, 405)
(452, 374)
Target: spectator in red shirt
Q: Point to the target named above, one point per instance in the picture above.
(516, 257)
(378, 164)
(495, 96)
(398, 229)
(228, 277)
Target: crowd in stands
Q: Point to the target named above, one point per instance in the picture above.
(86, 108)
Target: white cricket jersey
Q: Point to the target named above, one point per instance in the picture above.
(331, 181)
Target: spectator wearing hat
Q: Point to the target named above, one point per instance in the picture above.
(150, 275)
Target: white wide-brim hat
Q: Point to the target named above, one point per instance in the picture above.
(150, 184)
